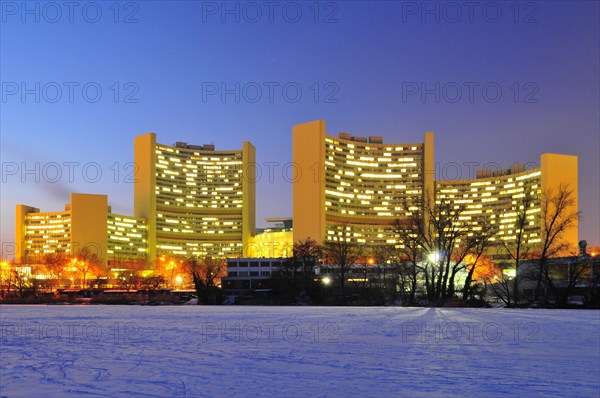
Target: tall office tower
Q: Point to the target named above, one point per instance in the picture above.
(496, 197)
(198, 201)
(361, 184)
(86, 221)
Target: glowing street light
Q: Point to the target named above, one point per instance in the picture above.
(326, 280)
(434, 257)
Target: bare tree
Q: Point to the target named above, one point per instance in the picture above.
(557, 217)
(296, 275)
(169, 267)
(306, 255)
(483, 271)
(577, 270)
(19, 279)
(152, 283)
(518, 247)
(438, 241)
(206, 275)
(342, 254)
(86, 262)
(132, 277)
(482, 241)
(409, 252)
(54, 265)
(433, 242)
(385, 267)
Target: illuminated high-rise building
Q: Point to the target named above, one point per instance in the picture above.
(496, 197)
(197, 200)
(192, 200)
(86, 221)
(361, 184)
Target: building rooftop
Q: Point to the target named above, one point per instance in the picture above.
(185, 145)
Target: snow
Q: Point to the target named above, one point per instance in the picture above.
(192, 351)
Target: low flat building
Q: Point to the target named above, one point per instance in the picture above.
(250, 273)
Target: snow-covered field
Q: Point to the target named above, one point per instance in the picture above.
(191, 351)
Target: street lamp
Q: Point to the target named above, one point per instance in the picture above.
(434, 257)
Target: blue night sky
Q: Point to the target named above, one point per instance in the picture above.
(362, 66)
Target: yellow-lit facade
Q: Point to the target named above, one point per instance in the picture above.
(197, 201)
(358, 183)
(495, 198)
(42, 233)
(126, 238)
(271, 244)
(87, 221)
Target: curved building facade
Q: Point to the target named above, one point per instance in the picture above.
(359, 184)
(198, 201)
(496, 197)
(192, 200)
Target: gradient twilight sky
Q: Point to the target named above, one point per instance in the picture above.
(361, 58)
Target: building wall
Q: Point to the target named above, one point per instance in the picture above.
(562, 170)
(363, 185)
(89, 215)
(144, 191)
(276, 243)
(40, 233)
(250, 273)
(249, 177)
(497, 199)
(86, 221)
(308, 191)
(198, 201)
(192, 200)
(428, 170)
(126, 238)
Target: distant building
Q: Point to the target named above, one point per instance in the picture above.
(86, 221)
(582, 272)
(250, 273)
(273, 242)
(495, 197)
(197, 200)
(356, 182)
